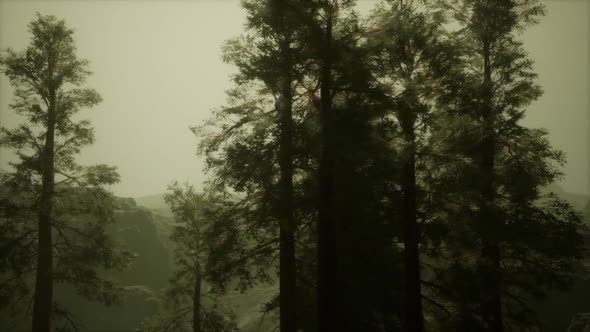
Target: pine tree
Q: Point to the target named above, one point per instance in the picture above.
(402, 151)
(241, 152)
(267, 56)
(496, 179)
(72, 213)
(189, 293)
(406, 40)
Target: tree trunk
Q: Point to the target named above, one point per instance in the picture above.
(414, 320)
(328, 276)
(43, 298)
(489, 265)
(287, 268)
(197, 300)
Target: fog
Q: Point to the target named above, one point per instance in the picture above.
(378, 186)
(158, 68)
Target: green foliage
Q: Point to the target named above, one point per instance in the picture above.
(189, 289)
(404, 84)
(516, 216)
(48, 77)
(404, 88)
(215, 318)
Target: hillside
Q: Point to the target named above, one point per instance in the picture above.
(144, 226)
(557, 310)
(144, 281)
(579, 201)
(145, 232)
(247, 305)
(156, 203)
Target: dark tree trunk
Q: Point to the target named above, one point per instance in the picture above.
(328, 276)
(413, 320)
(43, 297)
(287, 267)
(197, 300)
(489, 265)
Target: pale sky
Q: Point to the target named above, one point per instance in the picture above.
(157, 65)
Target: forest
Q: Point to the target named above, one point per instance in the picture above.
(366, 173)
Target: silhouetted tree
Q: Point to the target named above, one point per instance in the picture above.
(388, 144)
(271, 75)
(187, 295)
(275, 30)
(406, 40)
(495, 175)
(68, 242)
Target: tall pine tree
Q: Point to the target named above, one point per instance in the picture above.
(499, 216)
(71, 203)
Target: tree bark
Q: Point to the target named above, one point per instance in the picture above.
(197, 300)
(43, 298)
(489, 265)
(328, 276)
(414, 319)
(287, 268)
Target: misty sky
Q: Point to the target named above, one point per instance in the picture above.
(158, 68)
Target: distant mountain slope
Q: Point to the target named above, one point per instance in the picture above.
(156, 204)
(557, 310)
(579, 201)
(586, 211)
(155, 201)
(248, 305)
(138, 229)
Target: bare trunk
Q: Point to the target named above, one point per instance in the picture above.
(197, 300)
(414, 320)
(489, 265)
(43, 298)
(287, 267)
(328, 276)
